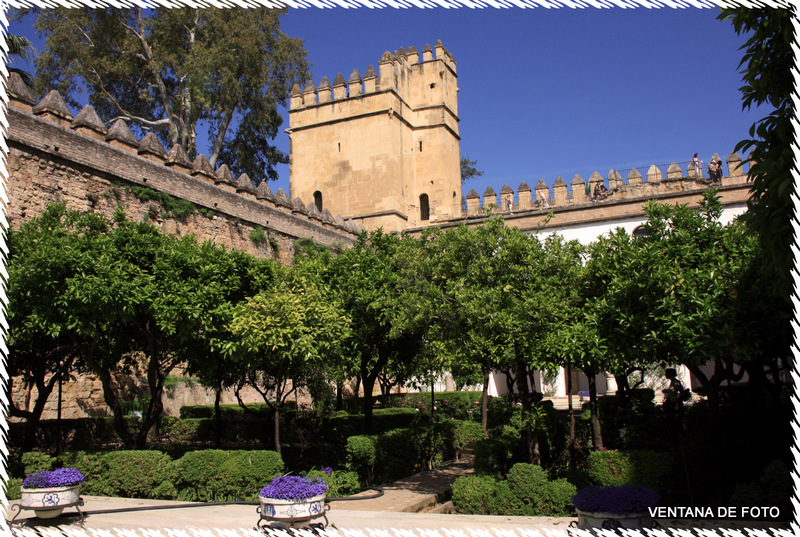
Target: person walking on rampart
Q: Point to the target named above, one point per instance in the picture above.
(698, 171)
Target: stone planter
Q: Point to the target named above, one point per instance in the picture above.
(50, 502)
(612, 521)
(292, 510)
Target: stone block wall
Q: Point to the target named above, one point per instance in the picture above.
(55, 157)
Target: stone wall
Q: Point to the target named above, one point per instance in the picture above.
(55, 157)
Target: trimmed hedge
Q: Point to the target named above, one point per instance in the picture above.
(208, 475)
(652, 469)
(340, 483)
(527, 492)
(402, 452)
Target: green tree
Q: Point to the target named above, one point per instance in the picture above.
(42, 349)
(370, 280)
(468, 169)
(497, 294)
(19, 47)
(685, 294)
(238, 276)
(172, 70)
(120, 296)
(767, 75)
(281, 337)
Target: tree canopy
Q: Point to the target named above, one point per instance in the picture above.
(175, 71)
(768, 80)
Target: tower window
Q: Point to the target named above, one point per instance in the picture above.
(318, 200)
(420, 147)
(424, 208)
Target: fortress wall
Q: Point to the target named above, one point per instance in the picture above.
(52, 157)
(572, 204)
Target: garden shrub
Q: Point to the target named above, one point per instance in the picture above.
(35, 461)
(772, 488)
(472, 494)
(484, 495)
(362, 454)
(186, 431)
(555, 498)
(90, 465)
(465, 433)
(137, 474)
(538, 495)
(243, 473)
(525, 480)
(630, 422)
(652, 469)
(491, 456)
(396, 453)
(11, 488)
(197, 473)
(340, 483)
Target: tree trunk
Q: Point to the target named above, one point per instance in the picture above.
(218, 416)
(597, 436)
(339, 396)
(368, 401)
(485, 403)
(571, 417)
(34, 417)
(276, 420)
(524, 392)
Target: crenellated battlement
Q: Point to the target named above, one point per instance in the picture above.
(60, 150)
(402, 71)
(658, 180)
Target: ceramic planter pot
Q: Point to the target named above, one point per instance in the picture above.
(50, 502)
(292, 510)
(599, 520)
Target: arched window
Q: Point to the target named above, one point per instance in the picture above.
(424, 208)
(318, 200)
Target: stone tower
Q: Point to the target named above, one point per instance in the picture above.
(384, 150)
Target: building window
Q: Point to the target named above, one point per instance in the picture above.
(318, 200)
(424, 208)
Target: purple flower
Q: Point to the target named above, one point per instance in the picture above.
(327, 470)
(292, 487)
(62, 477)
(619, 500)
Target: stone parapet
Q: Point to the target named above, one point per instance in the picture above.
(578, 194)
(52, 160)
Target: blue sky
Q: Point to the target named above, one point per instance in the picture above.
(547, 93)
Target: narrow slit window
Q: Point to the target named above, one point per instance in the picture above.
(318, 200)
(424, 208)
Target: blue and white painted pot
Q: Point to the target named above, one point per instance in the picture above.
(50, 502)
(613, 521)
(292, 510)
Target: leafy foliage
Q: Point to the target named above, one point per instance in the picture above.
(768, 80)
(468, 170)
(170, 71)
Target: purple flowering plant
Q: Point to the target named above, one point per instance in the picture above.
(294, 487)
(45, 479)
(620, 500)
